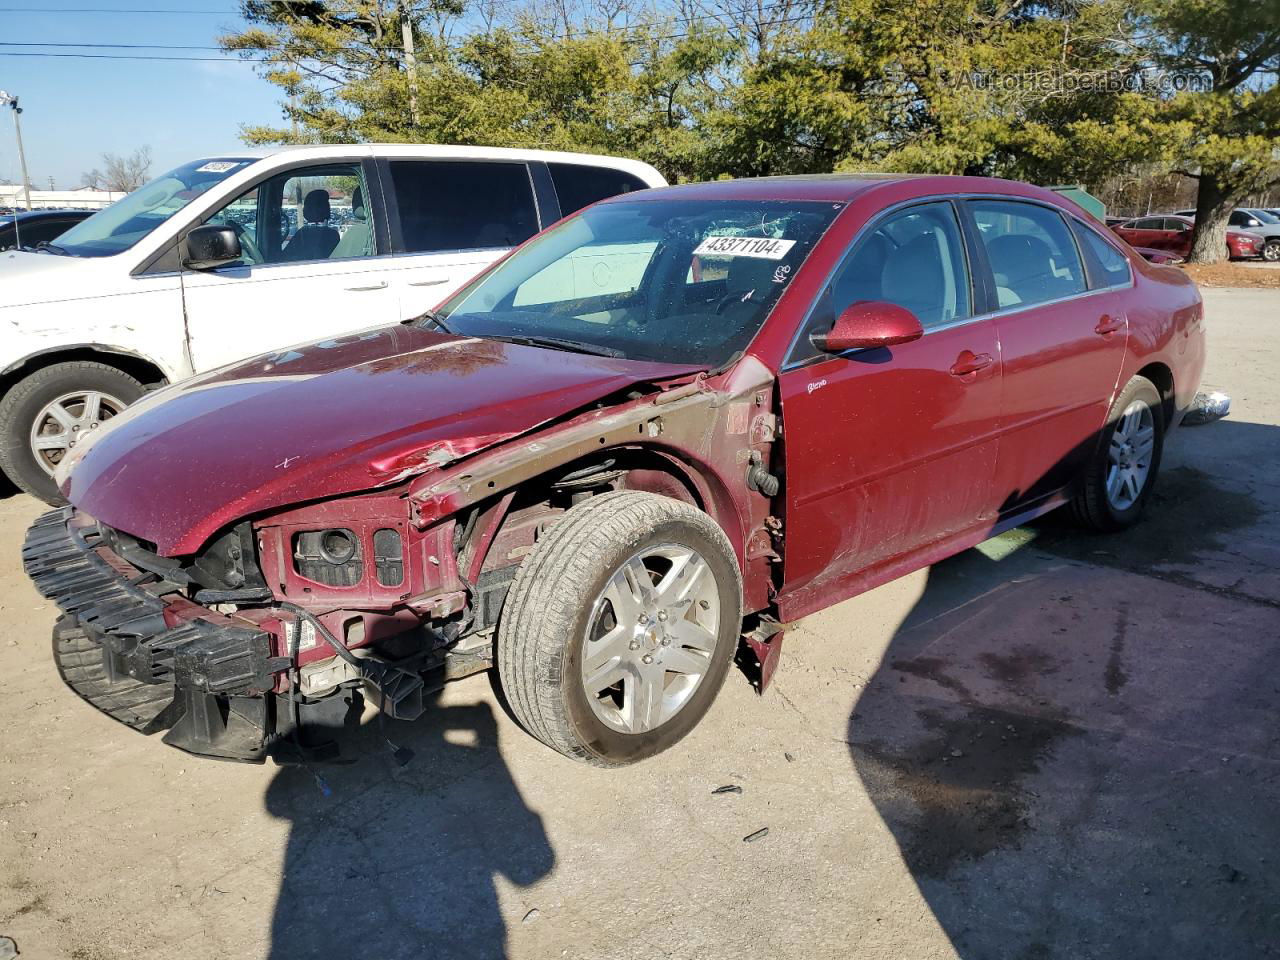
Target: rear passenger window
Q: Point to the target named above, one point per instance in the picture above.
(1111, 264)
(579, 185)
(463, 204)
(914, 259)
(1031, 252)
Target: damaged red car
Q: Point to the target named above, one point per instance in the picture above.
(675, 421)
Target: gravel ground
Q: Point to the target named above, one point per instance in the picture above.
(1056, 745)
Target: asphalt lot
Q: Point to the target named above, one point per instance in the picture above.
(1056, 746)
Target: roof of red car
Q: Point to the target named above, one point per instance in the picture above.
(832, 187)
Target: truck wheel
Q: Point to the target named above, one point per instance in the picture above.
(44, 414)
(620, 627)
(1119, 479)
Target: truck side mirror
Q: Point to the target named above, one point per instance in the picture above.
(211, 246)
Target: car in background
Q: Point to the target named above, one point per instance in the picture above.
(1172, 235)
(778, 394)
(1255, 220)
(252, 250)
(31, 228)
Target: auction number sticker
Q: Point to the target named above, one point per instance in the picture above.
(762, 248)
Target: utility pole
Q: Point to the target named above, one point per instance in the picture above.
(410, 60)
(12, 102)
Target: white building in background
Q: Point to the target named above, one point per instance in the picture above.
(12, 195)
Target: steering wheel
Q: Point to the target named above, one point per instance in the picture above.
(247, 246)
(738, 296)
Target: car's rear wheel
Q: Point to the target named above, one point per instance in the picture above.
(1122, 473)
(47, 413)
(620, 627)
(1271, 252)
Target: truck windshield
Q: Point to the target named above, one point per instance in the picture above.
(674, 281)
(118, 227)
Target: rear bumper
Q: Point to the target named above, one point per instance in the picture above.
(135, 648)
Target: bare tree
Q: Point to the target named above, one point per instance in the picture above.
(120, 174)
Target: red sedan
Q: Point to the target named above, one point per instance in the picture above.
(1169, 234)
(597, 469)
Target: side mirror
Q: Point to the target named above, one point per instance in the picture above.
(870, 323)
(211, 246)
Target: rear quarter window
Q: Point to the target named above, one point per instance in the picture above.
(1108, 267)
(579, 185)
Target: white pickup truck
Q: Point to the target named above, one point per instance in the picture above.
(249, 251)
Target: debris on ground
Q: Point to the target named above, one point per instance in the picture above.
(8, 949)
(788, 757)
(759, 834)
(728, 788)
(531, 916)
(1206, 408)
(1229, 874)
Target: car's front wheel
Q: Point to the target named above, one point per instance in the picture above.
(44, 416)
(1271, 252)
(1122, 472)
(620, 627)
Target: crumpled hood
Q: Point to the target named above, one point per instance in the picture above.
(334, 417)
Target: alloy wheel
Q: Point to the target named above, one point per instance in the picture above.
(651, 638)
(1129, 455)
(64, 422)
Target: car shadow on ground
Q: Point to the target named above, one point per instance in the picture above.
(399, 861)
(1073, 738)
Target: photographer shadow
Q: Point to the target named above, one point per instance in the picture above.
(401, 861)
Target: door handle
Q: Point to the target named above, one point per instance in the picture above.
(428, 283)
(382, 285)
(1109, 324)
(969, 362)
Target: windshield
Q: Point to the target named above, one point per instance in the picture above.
(675, 281)
(118, 227)
(1265, 216)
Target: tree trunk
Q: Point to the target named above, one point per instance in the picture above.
(1213, 209)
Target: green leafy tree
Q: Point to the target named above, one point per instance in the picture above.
(1231, 132)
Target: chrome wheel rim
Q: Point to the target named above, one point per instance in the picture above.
(1271, 251)
(1133, 442)
(651, 638)
(64, 422)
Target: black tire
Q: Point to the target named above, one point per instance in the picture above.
(546, 617)
(1271, 252)
(29, 396)
(1092, 506)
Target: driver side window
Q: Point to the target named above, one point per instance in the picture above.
(313, 213)
(915, 259)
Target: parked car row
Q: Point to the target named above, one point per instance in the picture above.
(1171, 235)
(32, 229)
(1252, 232)
(229, 256)
(571, 470)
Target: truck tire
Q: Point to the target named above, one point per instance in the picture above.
(42, 415)
(1122, 473)
(619, 628)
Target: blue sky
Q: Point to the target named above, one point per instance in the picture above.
(74, 110)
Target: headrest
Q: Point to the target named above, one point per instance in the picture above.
(315, 208)
(357, 204)
(1019, 256)
(913, 276)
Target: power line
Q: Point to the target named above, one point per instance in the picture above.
(108, 46)
(114, 10)
(121, 56)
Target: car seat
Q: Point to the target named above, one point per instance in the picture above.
(358, 239)
(913, 278)
(1023, 267)
(317, 239)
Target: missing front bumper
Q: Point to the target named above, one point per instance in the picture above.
(205, 681)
